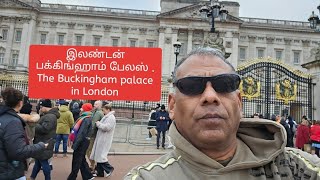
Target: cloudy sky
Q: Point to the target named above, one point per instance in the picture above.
(295, 10)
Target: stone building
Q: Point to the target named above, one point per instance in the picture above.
(27, 22)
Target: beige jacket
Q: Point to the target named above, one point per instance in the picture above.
(260, 155)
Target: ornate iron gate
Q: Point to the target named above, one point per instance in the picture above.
(272, 87)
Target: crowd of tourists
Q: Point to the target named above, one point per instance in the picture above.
(34, 137)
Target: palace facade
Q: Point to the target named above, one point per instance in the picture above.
(27, 22)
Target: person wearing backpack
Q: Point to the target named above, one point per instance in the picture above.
(79, 140)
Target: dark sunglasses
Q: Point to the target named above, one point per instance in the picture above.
(195, 85)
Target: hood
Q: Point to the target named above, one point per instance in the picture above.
(54, 111)
(258, 142)
(63, 108)
(6, 110)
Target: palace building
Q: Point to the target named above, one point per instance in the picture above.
(283, 47)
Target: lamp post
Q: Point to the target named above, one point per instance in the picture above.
(177, 46)
(314, 21)
(214, 10)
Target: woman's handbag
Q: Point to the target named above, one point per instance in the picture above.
(153, 131)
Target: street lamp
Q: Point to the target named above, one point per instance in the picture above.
(177, 46)
(314, 21)
(214, 10)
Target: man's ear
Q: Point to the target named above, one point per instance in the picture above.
(172, 103)
(240, 102)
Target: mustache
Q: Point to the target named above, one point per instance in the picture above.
(212, 114)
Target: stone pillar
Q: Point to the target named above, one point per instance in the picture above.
(106, 40)
(233, 48)
(124, 36)
(142, 37)
(88, 35)
(162, 43)
(252, 47)
(69, 36)
(29, 27)
(305, 52)
(190, 37)
(53, 32)
(270, 46)
(287, 51)
(313, 66)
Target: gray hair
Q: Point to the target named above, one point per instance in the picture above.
(202, 51)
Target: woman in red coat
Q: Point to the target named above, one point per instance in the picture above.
(303, 134)
(315, 136)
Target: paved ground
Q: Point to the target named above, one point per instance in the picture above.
(122, 164)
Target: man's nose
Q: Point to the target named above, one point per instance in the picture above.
(209, 95)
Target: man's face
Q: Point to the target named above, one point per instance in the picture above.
(211, 118)
(97, 105)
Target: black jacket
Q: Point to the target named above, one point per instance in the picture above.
(83, 133)
(45, 131)
(13, 145)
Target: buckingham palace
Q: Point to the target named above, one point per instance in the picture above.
(252, 44)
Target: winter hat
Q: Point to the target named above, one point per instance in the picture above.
(46, 103)
(158, 106)
(163, 107)
(63, 102)
(86, 107)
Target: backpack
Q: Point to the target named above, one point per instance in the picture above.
(153, 116)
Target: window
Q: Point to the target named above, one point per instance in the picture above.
(96, 40)
(260, 53)
(151, 44)
(78, 40)
(15, 58)
(61, 39)
(43, 38)
(133, 43)
(115, 42)
(18, 36)
(242, 53)
(278, 54)
(296, 57)
(1, 57)
(4, 34)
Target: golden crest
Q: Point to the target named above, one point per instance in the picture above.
(249, 88)
(286, 90)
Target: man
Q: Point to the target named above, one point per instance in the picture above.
(45, 131)
(79, 140)
(162, 118)
(211, 142)
(97, 115)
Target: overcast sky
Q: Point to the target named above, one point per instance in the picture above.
(295, 10)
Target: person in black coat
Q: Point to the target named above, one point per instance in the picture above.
(45, 131)
(162, 118)
(79, 140)
(289, 133)
(14, 148)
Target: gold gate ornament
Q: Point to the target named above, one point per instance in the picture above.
(249, 88)
(286, 90)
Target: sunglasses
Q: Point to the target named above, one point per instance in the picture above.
(194, 85)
